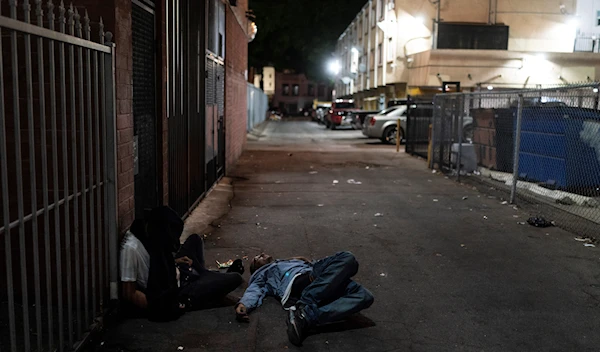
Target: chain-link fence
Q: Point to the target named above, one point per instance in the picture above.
(541, 146)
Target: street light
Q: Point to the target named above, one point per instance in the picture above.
(334, 67)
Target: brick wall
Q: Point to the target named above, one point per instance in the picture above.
(117, 19)
(236, 64)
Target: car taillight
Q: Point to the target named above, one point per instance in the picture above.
(373, 120)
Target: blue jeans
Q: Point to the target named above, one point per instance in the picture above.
(333, 296)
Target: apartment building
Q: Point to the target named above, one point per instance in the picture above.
(398, 47)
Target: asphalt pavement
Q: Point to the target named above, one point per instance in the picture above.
(451, 268)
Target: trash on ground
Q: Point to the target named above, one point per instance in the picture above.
(290, 154)
(429, 181)
(320, 205)
(504, 203)
(335, 182)
(436, 200)
(367, 167)
(225, 265)
(539, 222)
(180, 348)
(516, 216)
(245, 257)
(438, 254)
(580, 239)
(516, 207)
(463, 246)
(258, 224)
(591, 203)
(565, 201)
(313, 172)
(378, 215)
(353, 182)
(382, 274)
(465, 198)
(278, 182)
(375, 225)
(589, 245)
(521, 223)
(485, 217)
(434, 171)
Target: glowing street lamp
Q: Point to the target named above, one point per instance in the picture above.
(334, 67)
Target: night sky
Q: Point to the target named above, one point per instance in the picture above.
(299, 34)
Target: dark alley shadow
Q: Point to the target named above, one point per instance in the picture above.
(355, 322)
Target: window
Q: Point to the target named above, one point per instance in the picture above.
(598, 18)
(391, 51)
(311, 90)
(360, 25)
(474, 37)
(286, 89)
(321, 91)
(366, 22)
(372, 15)
(379, 55)
(372, 59)
(381, 11)
(296, 90)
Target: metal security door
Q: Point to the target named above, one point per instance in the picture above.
(144, 105)
(215, 93)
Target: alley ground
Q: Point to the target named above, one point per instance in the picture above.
(447, 274)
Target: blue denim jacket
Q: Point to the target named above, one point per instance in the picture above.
(274, 279)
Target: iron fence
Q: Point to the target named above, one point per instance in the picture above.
(418, 126)
(57, 173)
(258, 104)
(542, 146)
(587, 43)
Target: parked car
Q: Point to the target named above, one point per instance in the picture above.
(358, 118)
(396, 102)
(339, 113)
(384, 125)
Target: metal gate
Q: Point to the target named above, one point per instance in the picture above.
(186, 103)
(144, 105)
(57, 174)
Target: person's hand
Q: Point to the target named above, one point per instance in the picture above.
(184, 260)
(241, 313)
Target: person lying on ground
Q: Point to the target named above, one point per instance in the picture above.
(161, 285)
(314, 293)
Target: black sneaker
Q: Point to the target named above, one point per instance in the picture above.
(297, 327)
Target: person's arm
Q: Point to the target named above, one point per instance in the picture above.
(131, 294)
(252, 298)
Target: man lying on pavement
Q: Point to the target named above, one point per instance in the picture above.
(314, 293)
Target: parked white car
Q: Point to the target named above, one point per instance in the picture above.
(384, 125)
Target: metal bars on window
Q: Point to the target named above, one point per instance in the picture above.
(57, 174)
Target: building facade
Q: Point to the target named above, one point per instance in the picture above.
(294, 92)
(397, 47)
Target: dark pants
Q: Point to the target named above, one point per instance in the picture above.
(333, 296)
(204, 286)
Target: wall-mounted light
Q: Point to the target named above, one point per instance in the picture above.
(490, 87)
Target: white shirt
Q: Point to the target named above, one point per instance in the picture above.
(135, 261)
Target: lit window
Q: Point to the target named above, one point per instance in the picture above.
(296, 90)
(390, 50)
(286, 89)
(598, 18)
(379, 55)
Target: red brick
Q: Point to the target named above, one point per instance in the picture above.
(125, 106)
(124, 121)
(124, 136)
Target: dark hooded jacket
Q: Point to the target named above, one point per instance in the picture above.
(164, 227)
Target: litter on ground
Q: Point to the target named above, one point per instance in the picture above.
(313, 172)
(589, 245)
(539, 222)
(320, 205)
(504, 203)
(378, 215)
(435, 200)
(353, 182)
(335, 182)
(465, 198)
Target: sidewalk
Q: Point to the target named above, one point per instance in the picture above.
(448, 274)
